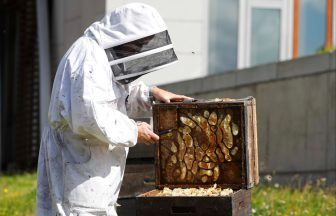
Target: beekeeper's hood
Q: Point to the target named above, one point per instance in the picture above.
(135, 40)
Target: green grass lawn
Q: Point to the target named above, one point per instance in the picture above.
(17, 197)
(17, 194)
(281, 200)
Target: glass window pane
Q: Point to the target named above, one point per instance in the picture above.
(312, 26)
(265, 36)
(223, 35)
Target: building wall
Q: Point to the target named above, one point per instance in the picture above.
(70, 18)
(187, 30)
(296, 109)
(188, 24)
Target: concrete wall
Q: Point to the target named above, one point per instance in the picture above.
(69, 20)
(296, 108)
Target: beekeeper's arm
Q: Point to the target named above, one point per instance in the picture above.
(94, 112)
(138, 98)
(166, 96)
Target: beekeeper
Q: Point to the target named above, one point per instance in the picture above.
(83, 150)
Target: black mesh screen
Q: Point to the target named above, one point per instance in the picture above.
(143, 64)
(138, 46)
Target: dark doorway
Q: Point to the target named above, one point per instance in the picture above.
(19, 91)
(8, 47)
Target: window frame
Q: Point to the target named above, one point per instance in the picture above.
(330, 24)
(330, 32)
(290, 25)
(245, 22)
(334, 21)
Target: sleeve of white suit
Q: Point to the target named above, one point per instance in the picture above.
(93, 104)
(138, 99)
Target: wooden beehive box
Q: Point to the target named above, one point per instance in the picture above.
(203, 143)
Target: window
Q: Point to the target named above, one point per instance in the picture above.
(223, 35)
(246, 33)
(312, 26)
(265, 36)
(264, 30)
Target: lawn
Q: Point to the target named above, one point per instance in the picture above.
(17, 194)
(17, 197)
(281, 200)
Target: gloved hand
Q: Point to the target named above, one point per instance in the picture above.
(146, 134)
(166, 96)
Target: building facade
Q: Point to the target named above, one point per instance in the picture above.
(217, 36)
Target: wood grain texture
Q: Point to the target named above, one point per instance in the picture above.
(205, 129)
(238, 204)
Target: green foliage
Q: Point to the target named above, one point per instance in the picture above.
(18, 192)
(311, 200)
(323, 49)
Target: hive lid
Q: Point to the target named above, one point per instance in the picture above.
(206, 142)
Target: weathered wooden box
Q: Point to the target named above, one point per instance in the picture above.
(203, 143)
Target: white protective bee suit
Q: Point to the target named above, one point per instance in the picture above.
(83, 150)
